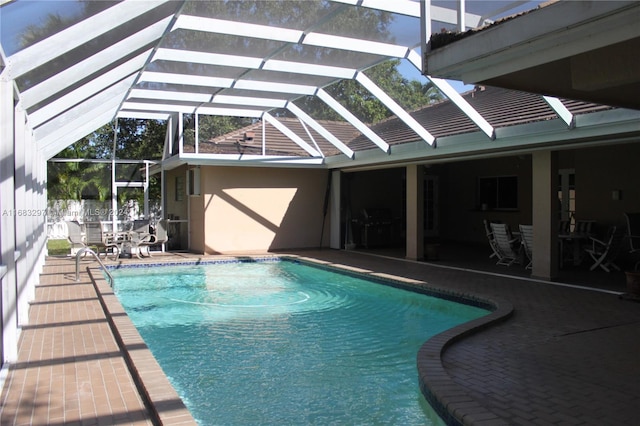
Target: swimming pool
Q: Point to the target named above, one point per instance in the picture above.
(280, 342)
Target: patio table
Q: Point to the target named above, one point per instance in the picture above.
(576, 240)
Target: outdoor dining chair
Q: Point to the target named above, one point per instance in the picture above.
(75, 235)
(140, 241)
(508, 246)
(492, 242)
(633, 234)
(96, 237)
(604, 253)
(526, 238)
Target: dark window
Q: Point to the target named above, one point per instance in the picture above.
(180, 190)
(499, 192)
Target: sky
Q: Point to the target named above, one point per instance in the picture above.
(411, 73)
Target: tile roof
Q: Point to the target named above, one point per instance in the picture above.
(500, 107)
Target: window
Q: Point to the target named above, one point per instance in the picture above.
(499, 192)
(194, 181)
(179, 188)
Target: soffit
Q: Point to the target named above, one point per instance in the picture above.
(584, 50)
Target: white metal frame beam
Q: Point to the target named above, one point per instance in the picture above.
(189, 56)
(88, 66)
(81, 33)
(85, 118)
(141, 115)
(395, 108)
(205, 81)
(291, 135)
(94, 86)
(242, 29)
(456, 98)
(355, 122)
(562, 111)
(412, 8)
(320, 129)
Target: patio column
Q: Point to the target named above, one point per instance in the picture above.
(9, 299)
(545, 215)
(415, 212)
(334, 212)
(23, 241)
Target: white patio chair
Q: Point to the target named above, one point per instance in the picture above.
(492, 242)
(508, 246)
(526, 238)
(604, 253)
(633, 234)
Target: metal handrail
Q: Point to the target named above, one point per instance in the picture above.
(88, 250)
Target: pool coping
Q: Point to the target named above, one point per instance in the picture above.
(162, 400)
(452, 403)
(449, 400)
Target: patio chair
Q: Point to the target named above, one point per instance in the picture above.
(604, 253)
(526, 237)
(492, 242)
(97, 238)
(139, 235)
(74, 235)
(633, 234)
(508, 250)
(141, 241)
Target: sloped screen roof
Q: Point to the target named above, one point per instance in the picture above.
(78, 65)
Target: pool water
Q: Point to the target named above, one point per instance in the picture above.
(285, 343)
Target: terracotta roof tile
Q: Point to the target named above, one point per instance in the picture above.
(500, 107)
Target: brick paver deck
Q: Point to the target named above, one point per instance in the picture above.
(70, 369)
(565, 356)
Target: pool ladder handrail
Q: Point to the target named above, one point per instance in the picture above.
(104, 268)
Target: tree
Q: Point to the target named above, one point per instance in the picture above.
(360, 102)
(137, 140)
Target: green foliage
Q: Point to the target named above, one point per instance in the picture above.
(353, 96)
(58, 247)
(137, 140)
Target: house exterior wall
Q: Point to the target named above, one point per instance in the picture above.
(461, 215)
(196, 222)
(244, 209)
(600, 171)
(258, 209)
(376, 189)
(177, 208)
(176, 193)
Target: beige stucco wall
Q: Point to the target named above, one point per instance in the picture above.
(461, 219)
(599, 171)
(245, 209)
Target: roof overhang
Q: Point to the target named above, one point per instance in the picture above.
(586, 50)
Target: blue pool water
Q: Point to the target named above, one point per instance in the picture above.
(284, 343)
